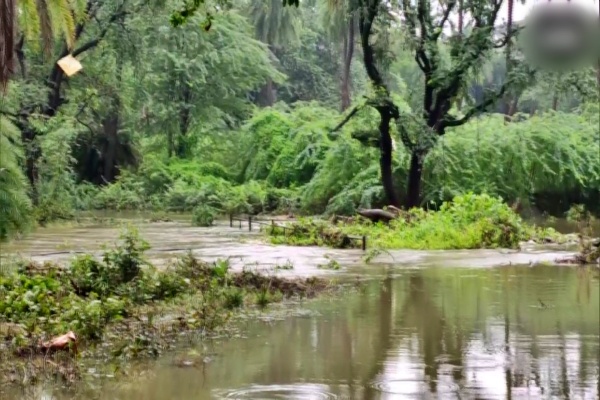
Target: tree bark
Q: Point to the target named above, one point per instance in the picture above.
(347, 64)
(555, 102)
(415, 174)
(8, 16)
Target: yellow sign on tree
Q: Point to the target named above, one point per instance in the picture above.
(70, 65)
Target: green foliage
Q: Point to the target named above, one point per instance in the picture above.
(15, 206)
(57, 191)
(93, 295)
(552, 156)
(468, 222)
(203, 216)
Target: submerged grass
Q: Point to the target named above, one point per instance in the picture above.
(121, 308)
(468, 222)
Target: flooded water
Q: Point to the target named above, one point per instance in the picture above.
(438, 332)
(428, 325)
(245, 248)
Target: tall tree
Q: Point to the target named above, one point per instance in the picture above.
(275, 26)
(98, 18)
(443, 77)
(341, 20)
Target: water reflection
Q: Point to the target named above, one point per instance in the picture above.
(446, 333)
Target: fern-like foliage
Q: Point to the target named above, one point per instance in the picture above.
(274, 23)
(15, 206)
(49, 20)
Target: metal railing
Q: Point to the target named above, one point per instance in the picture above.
(271, 223)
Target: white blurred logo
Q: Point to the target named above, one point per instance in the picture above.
(561, 36)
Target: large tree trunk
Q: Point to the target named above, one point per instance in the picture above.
(8, 16)
(386, 108)
(415, 174)
(347, 64)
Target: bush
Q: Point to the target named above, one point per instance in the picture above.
(468, 222)
(203, 216)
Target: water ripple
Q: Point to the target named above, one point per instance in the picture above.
(300, 391)
(412, 387)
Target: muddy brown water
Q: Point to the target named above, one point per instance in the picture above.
(445, 325)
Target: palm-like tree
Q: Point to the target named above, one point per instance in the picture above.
(37, 20)
(275, 26)
(340, 22)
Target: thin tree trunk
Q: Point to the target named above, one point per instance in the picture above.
(460, 17)
(509, 95)
(459, 100)
(385, 160)
(513, 106)
(347, 64)
(555, 102)
(267, 96)
(170, 145)
(185, 119)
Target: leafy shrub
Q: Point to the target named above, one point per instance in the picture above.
(468, 222)
(203, 216)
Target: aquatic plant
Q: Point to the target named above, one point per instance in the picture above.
(121, 301)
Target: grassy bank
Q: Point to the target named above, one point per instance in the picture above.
(120, 308)
(468, 222)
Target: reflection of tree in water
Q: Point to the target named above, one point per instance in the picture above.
(436, 337)
(384, 339)
(355, 346)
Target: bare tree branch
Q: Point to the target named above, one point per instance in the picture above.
(347, 118)
(451, 122)
(444, 19)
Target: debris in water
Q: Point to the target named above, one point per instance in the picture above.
(61, 342)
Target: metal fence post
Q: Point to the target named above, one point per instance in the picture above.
(250, 222)
(364, 243)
